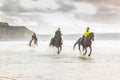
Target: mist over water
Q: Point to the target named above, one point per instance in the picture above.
(98, 36)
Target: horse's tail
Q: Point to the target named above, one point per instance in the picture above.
(30, 43)
(51, 42)
(75, 45)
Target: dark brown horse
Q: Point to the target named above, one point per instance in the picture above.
(86, 43)
(57, 43)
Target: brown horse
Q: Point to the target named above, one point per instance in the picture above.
(57, 43)
(86, 43)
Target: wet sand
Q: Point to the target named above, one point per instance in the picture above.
(20, 62)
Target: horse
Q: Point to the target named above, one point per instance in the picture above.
(33, 43)
(56, 42)
(85, 44)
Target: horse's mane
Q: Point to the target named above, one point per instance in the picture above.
(91, 34)
(88, 38)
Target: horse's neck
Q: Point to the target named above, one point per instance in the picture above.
(88, 38)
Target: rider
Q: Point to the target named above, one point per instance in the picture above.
(86, 33)
(58, 34)
(34, 38)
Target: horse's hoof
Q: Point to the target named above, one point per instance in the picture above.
(58, 52)
(89, 55)
(29, 45)
(84, 54)
(36, 44)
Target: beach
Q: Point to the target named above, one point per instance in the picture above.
(20, 62)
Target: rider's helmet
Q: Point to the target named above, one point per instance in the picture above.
(34, 33)
(88, 28)
(58, 28)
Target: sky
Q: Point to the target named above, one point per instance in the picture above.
(72, 16)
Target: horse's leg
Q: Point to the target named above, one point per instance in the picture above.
(30, 43)
(90, 51)
(58, 50)
(36, 42)
(79, 47)
(83, 48)
(85, 51)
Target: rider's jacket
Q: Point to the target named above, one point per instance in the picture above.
(86, 33)
(58, 33)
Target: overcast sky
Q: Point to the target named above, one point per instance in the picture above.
(72, 16)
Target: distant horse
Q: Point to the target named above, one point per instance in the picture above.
(57, 43)
(33, 43)
(86, 43)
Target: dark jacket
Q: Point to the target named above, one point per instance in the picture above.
(58, 33)
(34, 37)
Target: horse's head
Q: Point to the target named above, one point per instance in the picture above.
(92, 36)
